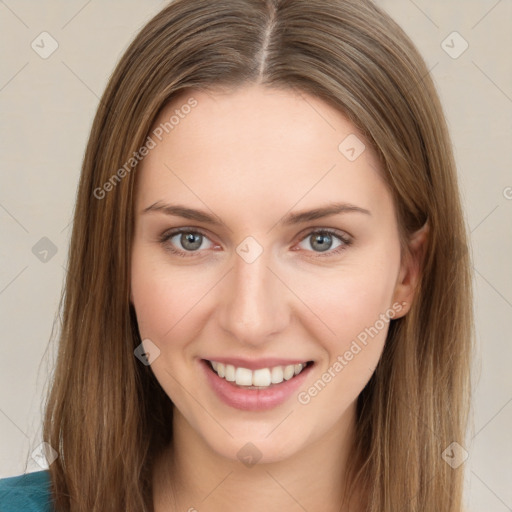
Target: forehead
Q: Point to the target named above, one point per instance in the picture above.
(267, 114)
(261, 145)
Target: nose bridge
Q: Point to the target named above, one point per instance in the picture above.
(254, 300)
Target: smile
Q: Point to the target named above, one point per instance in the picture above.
(267, 384)
(261, 378)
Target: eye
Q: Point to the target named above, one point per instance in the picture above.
(322, 240)
(190, 240)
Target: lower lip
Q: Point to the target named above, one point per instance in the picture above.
(253, 399)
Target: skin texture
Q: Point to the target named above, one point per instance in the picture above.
(249, 157)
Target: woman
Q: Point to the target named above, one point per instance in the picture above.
(268, 301)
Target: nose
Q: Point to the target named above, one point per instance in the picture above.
(253, 305)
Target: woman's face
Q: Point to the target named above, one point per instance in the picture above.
(261, 281)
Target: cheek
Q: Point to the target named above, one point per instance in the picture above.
(351, 354)
(356, 306)
(352, 300)
(162, 297)
(164, 303)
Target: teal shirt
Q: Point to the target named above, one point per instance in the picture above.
(26, 493)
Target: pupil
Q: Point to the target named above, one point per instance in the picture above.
(189, 238)
(321, 239)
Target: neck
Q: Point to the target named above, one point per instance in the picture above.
(190, 476)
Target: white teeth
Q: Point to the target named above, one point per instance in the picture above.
(289, 372)
(230, 373)
(261, 378)
(277, 375)
(243, 377)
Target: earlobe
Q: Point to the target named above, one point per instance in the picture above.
(411, 268)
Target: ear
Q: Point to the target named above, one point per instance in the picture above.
(410, 269)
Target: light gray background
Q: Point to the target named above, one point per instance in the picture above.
(47, 106)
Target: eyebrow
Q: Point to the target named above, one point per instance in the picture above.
(288, 220)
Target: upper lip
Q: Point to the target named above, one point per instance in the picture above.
(255, 364)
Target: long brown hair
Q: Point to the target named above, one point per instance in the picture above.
(106, 415)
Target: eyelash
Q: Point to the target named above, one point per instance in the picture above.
(165, 237)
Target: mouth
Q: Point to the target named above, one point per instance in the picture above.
(257, 389)
(261, 378)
